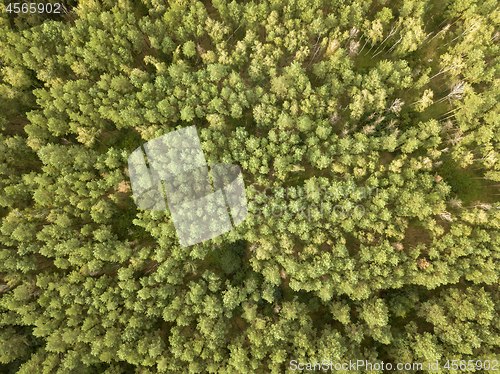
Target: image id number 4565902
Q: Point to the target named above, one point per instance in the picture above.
(484, 365)
(25, 8)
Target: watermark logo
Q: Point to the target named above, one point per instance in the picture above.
(171, 170)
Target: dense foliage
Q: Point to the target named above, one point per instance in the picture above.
(368, 134)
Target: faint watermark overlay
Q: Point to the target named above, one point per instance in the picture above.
(171, 170)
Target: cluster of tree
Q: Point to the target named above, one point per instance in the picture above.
(371, 127)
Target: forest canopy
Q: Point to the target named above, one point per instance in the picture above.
(368, 136)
